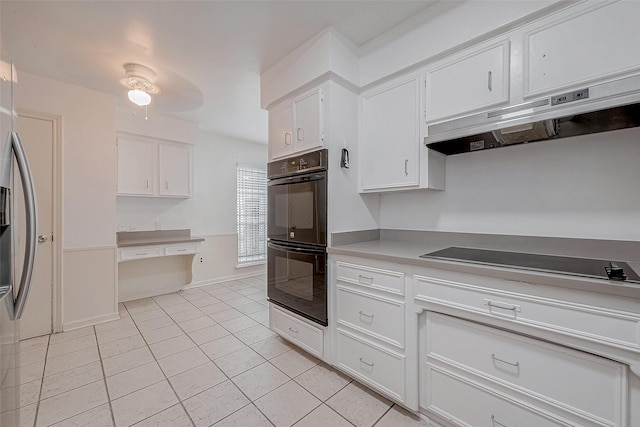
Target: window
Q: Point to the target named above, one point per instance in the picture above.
(252, 214)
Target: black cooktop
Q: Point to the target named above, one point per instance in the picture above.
(601, 269)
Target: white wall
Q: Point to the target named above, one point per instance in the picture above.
(88, 193)
(583, 187)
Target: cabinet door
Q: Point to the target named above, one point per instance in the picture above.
(595, 44)
(136, 167)
(309, 122)
(391, 135)
(280, 131)
(474, 81)
(175, 170)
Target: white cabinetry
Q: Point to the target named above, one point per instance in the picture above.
(392, 154)
(297, 125)
(596, 43)
(506, 367)
(175, 170)
(299, 332)
(472, 80)
(370, 315)
(148, 167)
(137, 167)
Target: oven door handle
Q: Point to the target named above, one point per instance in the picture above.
(297, 179)
(297, 250)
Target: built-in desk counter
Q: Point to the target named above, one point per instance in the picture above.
(150, 244)
(149, 275)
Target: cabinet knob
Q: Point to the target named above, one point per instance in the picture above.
(287, 138)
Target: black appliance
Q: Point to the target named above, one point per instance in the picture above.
(297, 235)
(585, 267)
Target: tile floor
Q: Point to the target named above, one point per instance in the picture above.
(199, 357)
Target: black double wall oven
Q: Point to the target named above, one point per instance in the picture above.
(297, 235)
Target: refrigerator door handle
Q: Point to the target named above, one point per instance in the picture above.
(31, 235)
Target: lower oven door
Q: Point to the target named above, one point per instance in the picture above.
(297, 281)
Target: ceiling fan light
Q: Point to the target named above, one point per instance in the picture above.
(139, 97)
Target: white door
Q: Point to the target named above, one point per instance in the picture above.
(391, 135)
(37, 136)
(308, 114)
(280, 129)
(175, 170)
(471, 83)
(137, 162)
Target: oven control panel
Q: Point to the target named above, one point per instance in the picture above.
(301, 163)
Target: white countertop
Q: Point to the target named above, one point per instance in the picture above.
(407, 252)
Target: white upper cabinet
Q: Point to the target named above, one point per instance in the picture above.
(297, 126)
(137, 163)
(151, 168)
(308, 119)
(472, 80)
(281, 131)
(175, 170)
(391, 154)
(597, 43)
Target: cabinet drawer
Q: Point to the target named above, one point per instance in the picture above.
(464, 403)
(181, 250)
(380, 317)
(381, 369)
(590, 322)
(140, 253)
(300, 333)
(586, 385)
(376, 278)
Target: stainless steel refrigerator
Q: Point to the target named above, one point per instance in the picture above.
(13, 296)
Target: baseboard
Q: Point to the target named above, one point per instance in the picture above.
(221, 279)
(150, 293)
(90, 321)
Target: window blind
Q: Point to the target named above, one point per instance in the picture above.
(252, 214)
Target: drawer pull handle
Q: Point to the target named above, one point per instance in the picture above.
(362, 313)
(502, 305)
(494, 421)
(141, 253)
(182, 250)
(366, 363)
(295, 331)
(493, 356)
(361, 278)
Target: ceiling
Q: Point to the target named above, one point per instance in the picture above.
(207, 55)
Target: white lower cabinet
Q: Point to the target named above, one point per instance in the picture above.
(302, 334)
(371, 327)
(479, 351)
(464, 403)
(579, 388)
(373, 365)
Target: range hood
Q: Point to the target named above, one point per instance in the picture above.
(598, 108)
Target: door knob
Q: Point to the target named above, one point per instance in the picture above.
(42, 238)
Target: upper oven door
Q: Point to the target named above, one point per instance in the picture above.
(298, 209)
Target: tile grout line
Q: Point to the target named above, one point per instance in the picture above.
(44, 367)
(104, 376)
(382, 416)
(161, 370)
(251, 402)
(75, 388)
(214, 364)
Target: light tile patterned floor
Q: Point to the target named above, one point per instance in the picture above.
(199, 357)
